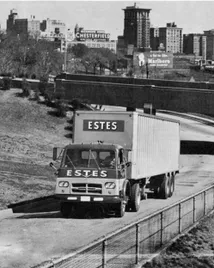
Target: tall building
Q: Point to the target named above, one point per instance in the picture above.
(209, 44)
(22, 26)
(204, 47)
(154, 38)
(137, 26)
(11, 21)
(195, 44)
(171, 38)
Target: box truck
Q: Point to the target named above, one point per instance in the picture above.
(114, 157)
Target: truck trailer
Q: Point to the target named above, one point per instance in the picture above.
(114, 157)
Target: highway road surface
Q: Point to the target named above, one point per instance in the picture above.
(28, 239)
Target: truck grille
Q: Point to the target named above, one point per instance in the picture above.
(86, 188)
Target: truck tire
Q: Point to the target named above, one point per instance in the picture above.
(172, 185)
(120, 212)
(165, 187)
(65, 209)
(135, 197)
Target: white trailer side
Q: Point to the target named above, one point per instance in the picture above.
(154, 142)
(155, 146)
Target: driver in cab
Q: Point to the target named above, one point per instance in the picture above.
(109, 161)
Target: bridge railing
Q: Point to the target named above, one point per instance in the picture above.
(132, 244)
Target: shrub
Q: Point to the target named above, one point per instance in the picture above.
(42, 87)
(33, 76)
(1, 84)
(25, 88)
(6, 83)
(60, 109)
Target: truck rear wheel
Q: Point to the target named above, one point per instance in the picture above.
(135, 197)
(65, 209)
(172, 185)
(165, 187)
(157, 192)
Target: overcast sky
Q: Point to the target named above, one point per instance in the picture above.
(192, 16)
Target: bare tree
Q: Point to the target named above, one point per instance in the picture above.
(6, 62)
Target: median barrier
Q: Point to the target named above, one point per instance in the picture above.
(41, 204)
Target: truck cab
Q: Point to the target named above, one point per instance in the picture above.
(91, 174)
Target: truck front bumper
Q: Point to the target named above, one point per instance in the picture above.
(89, 199)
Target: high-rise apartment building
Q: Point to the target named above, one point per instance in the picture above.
(137, 27)
(171, 38)
(195, 44)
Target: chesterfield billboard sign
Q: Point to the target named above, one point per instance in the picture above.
(92, 35)
(153, 59)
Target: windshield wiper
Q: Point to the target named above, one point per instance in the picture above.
(71, 161)
(90, 153)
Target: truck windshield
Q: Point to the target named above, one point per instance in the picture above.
(89, 158)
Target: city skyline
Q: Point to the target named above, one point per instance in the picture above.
(109, 15)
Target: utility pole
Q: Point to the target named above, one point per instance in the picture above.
(65, 53)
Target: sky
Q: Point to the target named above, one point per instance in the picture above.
(192, 16)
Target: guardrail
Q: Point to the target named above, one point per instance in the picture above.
(129, 245)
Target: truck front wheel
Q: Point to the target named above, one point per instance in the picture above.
(135, 197)
(120, 212)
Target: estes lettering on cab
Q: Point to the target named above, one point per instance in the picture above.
(87, 173)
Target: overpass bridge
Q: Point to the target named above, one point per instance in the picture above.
(179, 96)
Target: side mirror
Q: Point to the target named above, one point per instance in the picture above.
(55, 149)
(52, 166)
(128, 164)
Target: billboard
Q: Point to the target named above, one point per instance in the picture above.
(155, 59)
(83, 35)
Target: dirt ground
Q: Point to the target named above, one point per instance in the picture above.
(28, 133)
(193, 250)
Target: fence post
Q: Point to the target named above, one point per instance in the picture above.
(179, 217)
(213, 197)
(161, 234)
(104, 263)
(194, 214)
(137, 243)
(205, 202)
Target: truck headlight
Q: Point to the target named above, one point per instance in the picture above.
(110, 185)
(63, 184)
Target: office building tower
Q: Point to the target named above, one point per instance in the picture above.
(137, 27)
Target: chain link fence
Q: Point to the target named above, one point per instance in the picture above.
(130, 245)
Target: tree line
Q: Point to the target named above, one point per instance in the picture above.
(30, 57)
